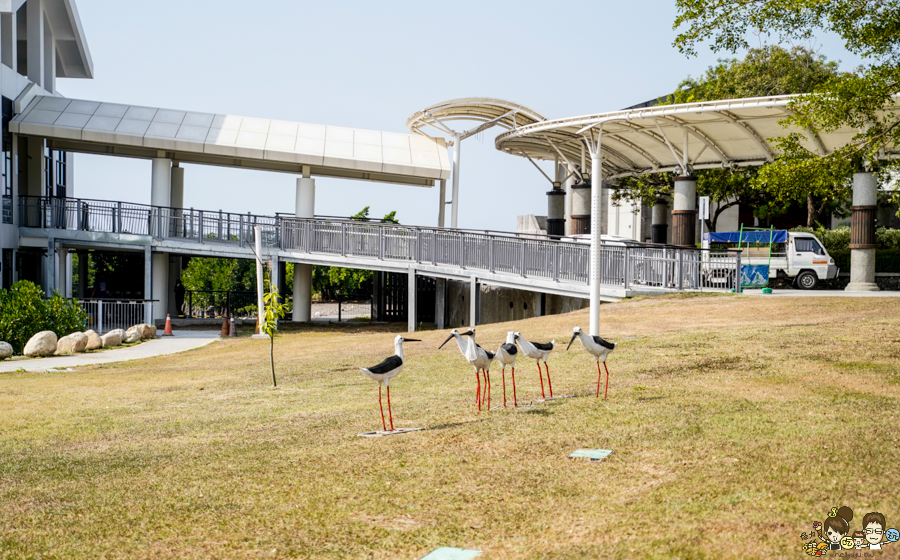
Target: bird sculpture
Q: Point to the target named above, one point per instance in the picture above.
(385, 371)
(538, 352)
(599, 349)
(506, 355)
(474, 354)
(480, 359)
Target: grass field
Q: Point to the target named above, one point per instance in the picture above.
(735, 423)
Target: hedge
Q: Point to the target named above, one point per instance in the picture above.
(24, 311)
(887, 260)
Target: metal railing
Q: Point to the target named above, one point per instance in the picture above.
(105, 315)
(625, 265)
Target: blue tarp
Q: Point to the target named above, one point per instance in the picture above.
(755, 236)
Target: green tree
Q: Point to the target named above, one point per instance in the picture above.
(862, 101)
(218, 275)
(333, 282)
(769, 70)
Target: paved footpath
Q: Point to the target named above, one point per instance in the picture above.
(183, 340)
(821, 293)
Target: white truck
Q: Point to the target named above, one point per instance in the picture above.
(795, 255)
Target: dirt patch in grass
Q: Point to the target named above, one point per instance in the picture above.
(735, 422)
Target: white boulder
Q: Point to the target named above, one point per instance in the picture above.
(41, 344)
(72, 343)
(113, 338)
(147, 331)
(6, 350)
(94, 340)
(132, 335)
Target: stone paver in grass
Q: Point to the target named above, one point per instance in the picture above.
(449, 553)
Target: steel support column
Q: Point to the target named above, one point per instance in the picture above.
(596, 248)
(454, 209)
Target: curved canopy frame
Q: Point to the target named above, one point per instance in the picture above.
(717, 134)
(487, 110)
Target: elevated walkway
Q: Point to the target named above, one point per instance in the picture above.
(509, 260)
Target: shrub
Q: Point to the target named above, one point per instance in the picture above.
(24, 311)
(886, 260)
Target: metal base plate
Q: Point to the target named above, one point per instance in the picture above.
(593, 455)
(450, 553)
(396, 431)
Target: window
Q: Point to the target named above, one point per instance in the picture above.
(6, 163)
(807, 245)
(60, 173)
(48, 171)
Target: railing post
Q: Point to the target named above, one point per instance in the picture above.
(381, 243)
(343, 233)
(99, 315)
(241, 229)
(625, 271)
(219, 228)
(418, 244)
(200, 226)
(555, 256)
(680, 270)
(737, 271)
(191, 304)
(117, 222)
(522, 256)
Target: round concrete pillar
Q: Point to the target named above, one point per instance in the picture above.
(581, 209)
(684, 212)
(305, 208)
(160, 272)
(556, 212)
(161, 182)
(659, 217)
(176, 201)
(862, 233)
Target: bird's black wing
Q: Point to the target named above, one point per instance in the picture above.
(490, 355)
(543, 345)
(509, 348)
(390, 364)
(604, 343)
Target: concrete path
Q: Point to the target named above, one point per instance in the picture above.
(821, 293)
(183, 340)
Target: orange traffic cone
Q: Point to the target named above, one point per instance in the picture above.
(168, 331)
(224, 331)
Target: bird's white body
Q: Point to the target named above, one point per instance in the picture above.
(506, 358)
(594, 348)
(387, 376)
(478, 356)
(531, 350)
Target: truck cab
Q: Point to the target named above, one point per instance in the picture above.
(794, 255)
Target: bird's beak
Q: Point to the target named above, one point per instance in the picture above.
(411, 340)
(445, 342)
(574, 336)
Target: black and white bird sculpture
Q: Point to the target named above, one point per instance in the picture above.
(385, 371)
(538, 352)
(480, 359)
(506, 355)
(599, 349)
(474, 354)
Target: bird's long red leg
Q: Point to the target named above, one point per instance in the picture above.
(487, 375)
(390, 414)
(598, 377)
(503, 376)
(607, 380)
(383, 425)
(515, 400)
(549, 384)
(478, 388)
(541, 375)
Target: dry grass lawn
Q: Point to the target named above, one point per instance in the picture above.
(735, 423)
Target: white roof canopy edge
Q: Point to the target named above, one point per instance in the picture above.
(234, 141)
(703, 135)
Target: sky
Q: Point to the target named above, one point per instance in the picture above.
(371, 65)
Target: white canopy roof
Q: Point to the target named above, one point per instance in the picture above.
(229, 140)
(667, 137)
(488, 110)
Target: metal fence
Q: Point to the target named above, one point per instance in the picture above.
(106, 315)
(626, 265)
(215, 304)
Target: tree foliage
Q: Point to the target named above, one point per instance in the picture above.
(859, 100)
(24, 312)
(769, 70)
(333, 282)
